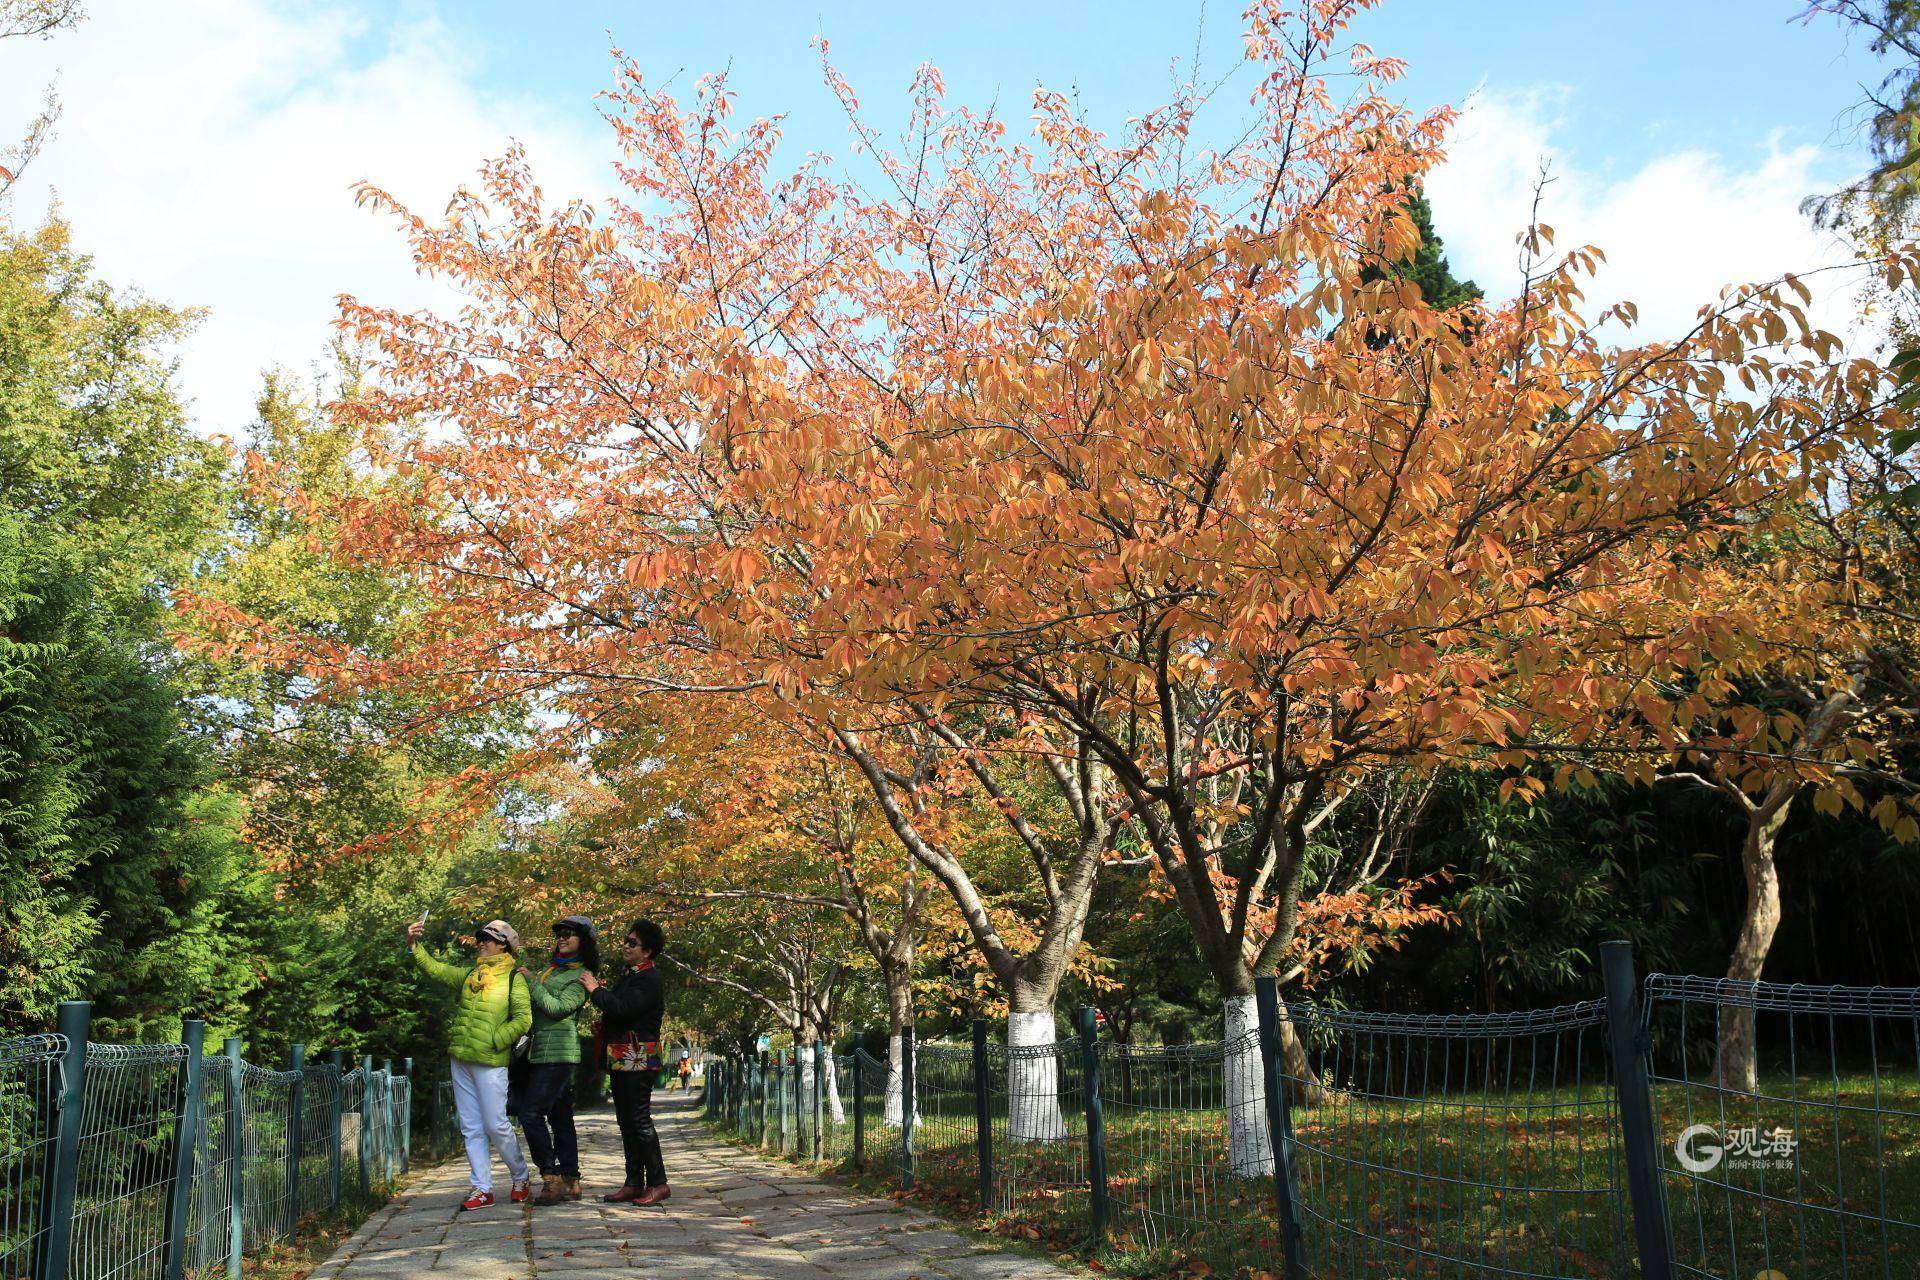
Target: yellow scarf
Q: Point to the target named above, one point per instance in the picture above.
(489, 971)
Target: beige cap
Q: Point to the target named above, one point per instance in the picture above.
(501, 929)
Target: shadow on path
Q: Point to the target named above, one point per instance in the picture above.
(733, 1216)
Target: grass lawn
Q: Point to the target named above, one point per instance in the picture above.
(1460, 1184)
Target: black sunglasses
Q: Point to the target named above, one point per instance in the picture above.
(633, 942)
(567, 931)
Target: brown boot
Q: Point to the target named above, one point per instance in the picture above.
(553, 1190)
(652, 1196)
(622, 1196)
(573, 1188)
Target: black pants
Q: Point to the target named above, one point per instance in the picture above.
(633, 1107)
(548, 1101)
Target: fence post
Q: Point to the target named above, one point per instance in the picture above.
(819, 1098)
(295, 1124)
(799, 1104)
(1266, 998)
(66, 1102)
(389, 1149)
(906, 1106)
(406, 1122)
(366, 1124)
(186, 1145)
(859, 1107)
(236, 1157)
(1096, 1122)
(337, 1060)
(762, 1110)
(1631, 1083)
(982, 1115)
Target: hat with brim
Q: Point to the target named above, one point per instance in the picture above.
(501, 931)
(579, 924)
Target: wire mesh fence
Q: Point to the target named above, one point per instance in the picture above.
(1189, 1164)
(30, 1078)
(879, 1109)
(265, 1186)
(1678, 1127)
(945, 1157)
(160, 1160)
(1789, 1124)
(132, 1104)
(836, 1142)
(1457, 1145)
(1037, 1120)
(217, 1154)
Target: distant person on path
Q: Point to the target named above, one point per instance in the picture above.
(686, 1070)
(493, 1012)
(631, 1008)
(546, 1110)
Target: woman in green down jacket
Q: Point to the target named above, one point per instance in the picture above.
(494, 1011)
(546, 1106)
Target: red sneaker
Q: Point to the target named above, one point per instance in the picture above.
(478, 1200)
(520, 1192)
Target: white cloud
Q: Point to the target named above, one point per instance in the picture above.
(208, 149)
(1674, 231)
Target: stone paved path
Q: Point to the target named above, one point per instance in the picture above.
(733, 1216)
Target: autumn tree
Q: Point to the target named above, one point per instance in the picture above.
(715, 816)
(1128, 465)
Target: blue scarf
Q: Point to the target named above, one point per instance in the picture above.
(557, 963)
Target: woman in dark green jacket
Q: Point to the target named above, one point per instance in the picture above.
(546, 1109)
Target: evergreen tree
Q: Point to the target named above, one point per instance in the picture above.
(119, 851)
(1429, 268)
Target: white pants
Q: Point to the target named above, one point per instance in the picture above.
(480, 1096)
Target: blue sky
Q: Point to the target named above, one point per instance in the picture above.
(209, 145)
(1645, 76)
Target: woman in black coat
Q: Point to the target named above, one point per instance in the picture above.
(630, 1010)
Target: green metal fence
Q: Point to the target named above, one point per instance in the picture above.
(161, 1160)
(1602, 1139)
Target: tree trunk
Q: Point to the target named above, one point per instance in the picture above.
(836, 1110)
(899, 1015)
(1249, 1150)
(1033, 1078)
(1737, 1067)
(1304, 1088)
(896, 1084)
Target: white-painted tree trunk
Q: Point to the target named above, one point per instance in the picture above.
(1033, 1080)
(836, 1112)
(1249, 1150)
(893, 1085)
(803, 1062)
